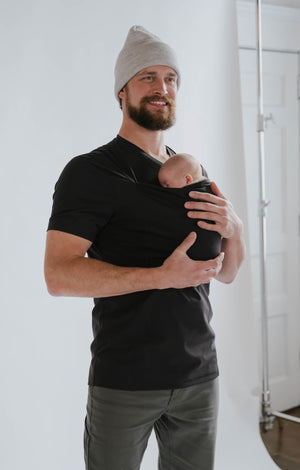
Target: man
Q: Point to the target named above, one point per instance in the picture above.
(153, 355)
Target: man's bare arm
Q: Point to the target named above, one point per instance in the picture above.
(216, 208)
(234, 250)
(69, 273)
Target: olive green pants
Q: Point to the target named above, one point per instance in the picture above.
(119, 423)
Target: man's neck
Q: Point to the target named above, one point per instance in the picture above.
(152, 142)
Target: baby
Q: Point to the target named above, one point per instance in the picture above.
(180, 170)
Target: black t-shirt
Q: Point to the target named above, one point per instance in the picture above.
(154, 339)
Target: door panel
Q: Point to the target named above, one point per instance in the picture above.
(282, 190)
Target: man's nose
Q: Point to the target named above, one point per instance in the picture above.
(160, 87)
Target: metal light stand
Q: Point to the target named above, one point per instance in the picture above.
(267, 416)
(266, 413)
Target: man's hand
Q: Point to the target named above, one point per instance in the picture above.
(216, 208)
(180, 271)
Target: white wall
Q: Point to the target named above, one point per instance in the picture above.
(280, 25)
(57, 101)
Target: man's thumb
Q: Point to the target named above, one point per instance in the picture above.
(187, 242)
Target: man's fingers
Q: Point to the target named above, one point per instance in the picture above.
(220, 257)
(187, 242)
(207, 200)
(214, 263)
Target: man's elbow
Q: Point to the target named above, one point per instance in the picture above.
(53, 283)
(226, 278)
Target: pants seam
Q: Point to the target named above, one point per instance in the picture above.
(90, 428)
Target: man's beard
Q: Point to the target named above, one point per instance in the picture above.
(158, 120)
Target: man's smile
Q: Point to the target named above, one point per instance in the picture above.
(158, 104)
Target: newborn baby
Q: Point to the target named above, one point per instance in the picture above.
(183, 170)
(180, 170)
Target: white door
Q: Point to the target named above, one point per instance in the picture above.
(282, 190)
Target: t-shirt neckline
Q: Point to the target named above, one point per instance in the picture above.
(139, 150)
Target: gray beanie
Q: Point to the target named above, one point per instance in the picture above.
(142, 49)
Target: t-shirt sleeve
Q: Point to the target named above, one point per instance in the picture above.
(82, 202)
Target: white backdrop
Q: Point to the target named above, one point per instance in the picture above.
(56, 102)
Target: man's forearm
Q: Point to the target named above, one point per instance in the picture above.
(87, 277)
(235, 250)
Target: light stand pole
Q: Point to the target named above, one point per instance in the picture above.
(267, 418)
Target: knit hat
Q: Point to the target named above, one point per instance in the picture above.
(142, 49)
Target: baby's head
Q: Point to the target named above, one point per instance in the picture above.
(180, 170)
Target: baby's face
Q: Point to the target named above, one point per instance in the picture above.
(173, 179)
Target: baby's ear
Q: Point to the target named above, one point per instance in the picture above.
(188, 179)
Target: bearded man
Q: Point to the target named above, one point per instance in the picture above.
(154, 362)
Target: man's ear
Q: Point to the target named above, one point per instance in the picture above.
(121, 96)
